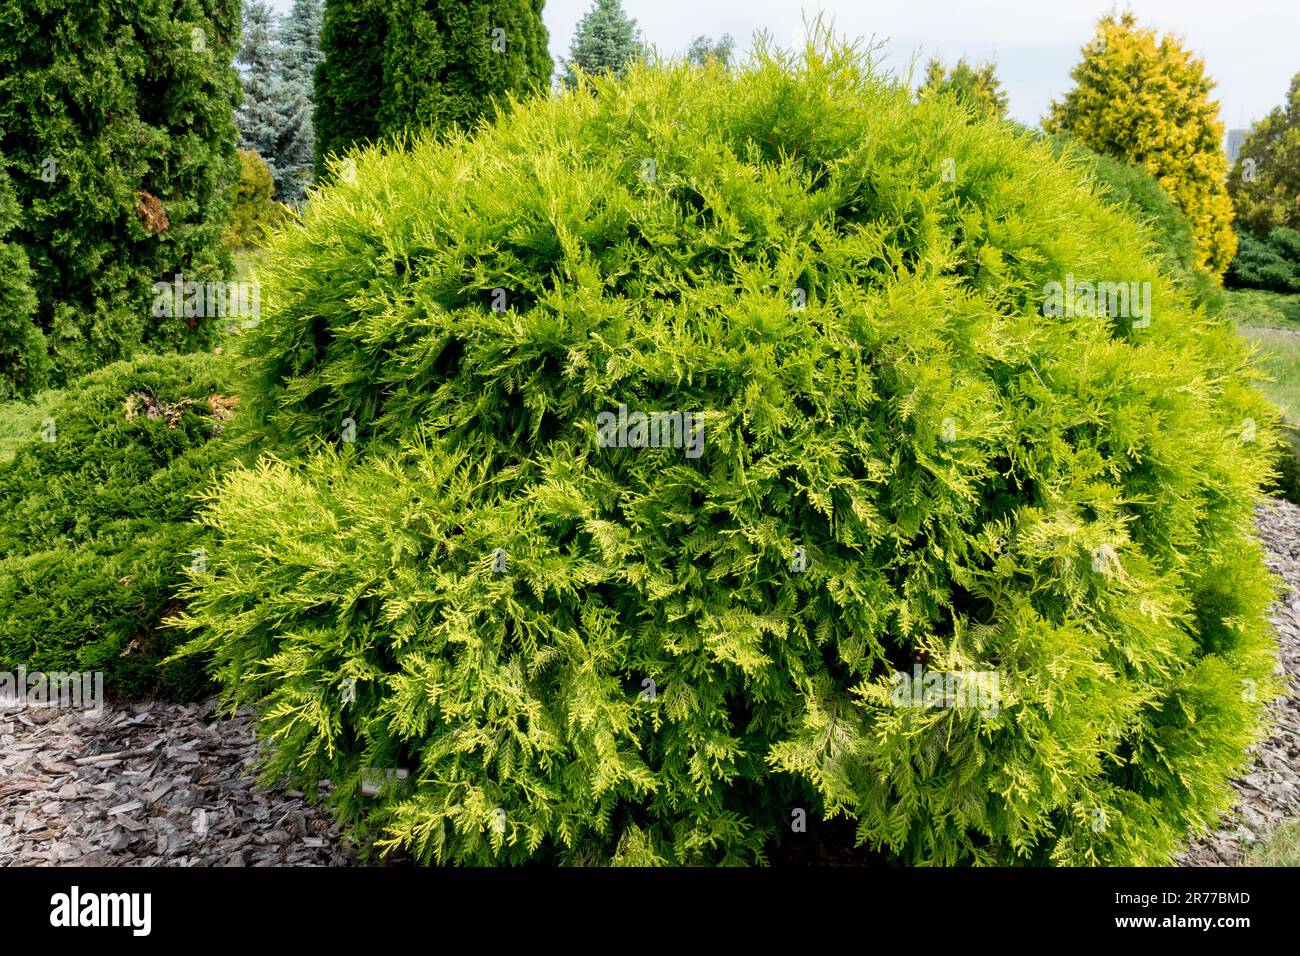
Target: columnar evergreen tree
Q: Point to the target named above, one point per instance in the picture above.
(976, 86)
(605, 41)
(23, 360)
(115, 118)
(277, 61)
(262, 116)
(1148, 102)
(350, 76)
(396, 65)
(1265, 180)
(299, 54)
(446, 61)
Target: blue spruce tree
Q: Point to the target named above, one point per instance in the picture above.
(299, 52)
(262, 117)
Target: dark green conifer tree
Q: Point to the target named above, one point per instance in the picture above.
(400, 65)
(115, 120)
(605, 41)
(350, 76)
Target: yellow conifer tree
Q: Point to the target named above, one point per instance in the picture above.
(1146, 100)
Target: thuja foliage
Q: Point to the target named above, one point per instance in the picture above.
(1272, 262)
(349, 78)
(447, 61)
(1146, 100)
(585, 653)
(95, 528)
(24, 363)
(116, 124)
(1265, 180)
(396, 65)
(1171, 234)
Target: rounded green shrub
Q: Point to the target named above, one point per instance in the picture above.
(256, 211)
(95, 528)
(1271, 262)
(511, 629)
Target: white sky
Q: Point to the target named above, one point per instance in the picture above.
(1251, 47)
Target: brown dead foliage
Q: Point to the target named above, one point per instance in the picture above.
(220, 408)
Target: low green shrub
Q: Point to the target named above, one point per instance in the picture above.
(95, 528)
(1272, 262)
(587, 646)
(1262, 309)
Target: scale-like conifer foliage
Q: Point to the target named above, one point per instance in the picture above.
(95, 527)
(116, 127)
(470, 591)
(396, 65)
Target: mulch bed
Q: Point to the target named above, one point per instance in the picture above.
(150, 784)
(1270, 792)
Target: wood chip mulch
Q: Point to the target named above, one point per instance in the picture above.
(1270, 792)
(149, 784)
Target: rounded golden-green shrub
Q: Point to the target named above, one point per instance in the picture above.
(255, 212)
(879, 441)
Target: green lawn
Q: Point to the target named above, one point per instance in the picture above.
(1280, 358)
(1271, 321)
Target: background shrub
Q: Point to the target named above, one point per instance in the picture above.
(1146, 100)
(1271, 263)
(115, 119)
(461, 582)
(256, 211)
(1126, 185)
(94, 521)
